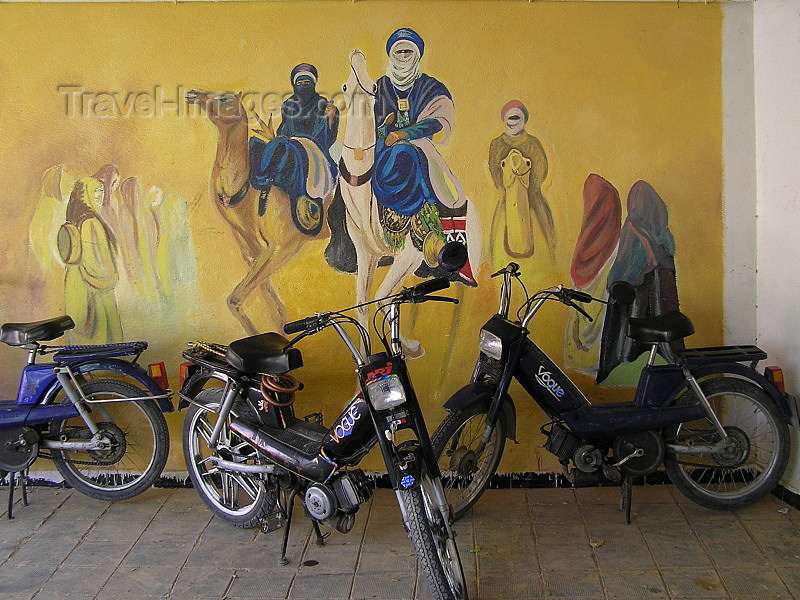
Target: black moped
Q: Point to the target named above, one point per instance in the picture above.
(249, 457)
(717, 425)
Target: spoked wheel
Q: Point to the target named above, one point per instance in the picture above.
(466, 470)
(135, 447)
(436, 548)
(242, 499)
(746, 468)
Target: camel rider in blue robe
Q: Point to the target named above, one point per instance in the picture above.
(414, 113)
(297, 160)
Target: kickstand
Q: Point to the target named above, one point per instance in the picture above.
(289, 506)
(626, 492)
(23, 482)
(320, 537)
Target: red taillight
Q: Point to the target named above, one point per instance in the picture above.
(184, 371)
(158, 371)
(775, 376)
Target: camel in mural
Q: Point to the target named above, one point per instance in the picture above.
(262, 222)
(362, 209)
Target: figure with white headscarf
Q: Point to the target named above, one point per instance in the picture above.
(518, 165)
(414, 114)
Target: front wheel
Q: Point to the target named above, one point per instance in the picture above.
(466, 469)
(436, 548)
(754, 459)
(239, 498)
(138, 443)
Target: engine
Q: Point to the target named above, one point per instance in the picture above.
(335, 503)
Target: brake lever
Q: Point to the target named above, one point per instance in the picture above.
(571, 304)
(438, 299)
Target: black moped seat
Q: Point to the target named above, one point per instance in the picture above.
(263, 353)
(19, 334)
(670, 326)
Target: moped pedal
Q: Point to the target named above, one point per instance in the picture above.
(272, 521)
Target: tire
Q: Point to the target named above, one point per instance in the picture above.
(436, 550)
(238, 498)
(140, 444)
(454, 443)
(751, 468)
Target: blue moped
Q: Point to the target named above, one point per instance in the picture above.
(716, 424)
(96, 414)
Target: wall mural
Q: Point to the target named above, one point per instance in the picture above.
(215, 191)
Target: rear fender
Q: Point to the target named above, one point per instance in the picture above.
(133, 371)
(481, 394)
(741, 371)
(196, 383)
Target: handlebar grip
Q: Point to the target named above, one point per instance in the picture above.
(430, 286)
(512, 268)
(300, 325)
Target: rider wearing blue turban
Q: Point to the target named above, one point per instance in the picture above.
(288, 161)
(415, 113)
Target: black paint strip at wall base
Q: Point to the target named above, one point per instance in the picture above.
(500, 481)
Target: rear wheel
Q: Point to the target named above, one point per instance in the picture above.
(436, 549)
(137, 443)
(242, 499)
(466, 470)
(749, 466)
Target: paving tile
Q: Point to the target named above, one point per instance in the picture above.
(307, 586)
(754, 583)
(676, 548)
(23, 580)
(693, 583)
(262, 584)
(384, 585)
(149, 581)
(643, 583)
(620, 549)
(388, 560)
(573, 584)
(566, 512)
(546, 496)
(76, 582)
(790, 578)
(205, 582)
(91, 553)
(499, 585)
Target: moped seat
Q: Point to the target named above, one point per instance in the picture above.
(670, 326)
(263, 353)
(19, 334)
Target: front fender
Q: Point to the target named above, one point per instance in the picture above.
(133, 371)
(481, 394)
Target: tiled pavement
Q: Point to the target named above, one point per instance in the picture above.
(539, 543)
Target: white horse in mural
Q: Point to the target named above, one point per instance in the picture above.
(363, 222)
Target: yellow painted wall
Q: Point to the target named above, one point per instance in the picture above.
(625, 90)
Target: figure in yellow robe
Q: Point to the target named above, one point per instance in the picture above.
(88, 249)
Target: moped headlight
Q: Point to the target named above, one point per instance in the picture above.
(491, 345)
(386, 392)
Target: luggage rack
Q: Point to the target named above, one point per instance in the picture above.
(76, 353)
(718, 354)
